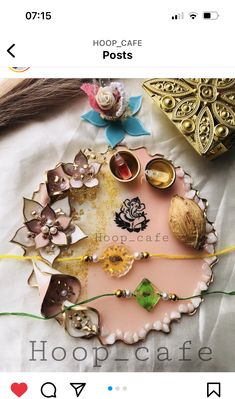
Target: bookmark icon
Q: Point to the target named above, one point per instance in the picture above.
(78, 386)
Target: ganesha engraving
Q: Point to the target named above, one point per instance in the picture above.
(132, 216)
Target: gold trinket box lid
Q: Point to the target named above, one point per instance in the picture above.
(203, 110)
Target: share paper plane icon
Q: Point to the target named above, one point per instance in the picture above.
(78, 386)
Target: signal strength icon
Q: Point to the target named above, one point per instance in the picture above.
(193, 15)
(178, 16)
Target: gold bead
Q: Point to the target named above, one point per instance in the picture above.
(221, 131)
(119, 293)
(173, 297)
(188, 126)
(146, 255)
(87, 258)
(168, 103)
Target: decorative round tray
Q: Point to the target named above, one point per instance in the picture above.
(116, 218)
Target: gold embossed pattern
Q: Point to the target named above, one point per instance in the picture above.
(202, 109)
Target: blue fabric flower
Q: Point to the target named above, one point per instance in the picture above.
(115, 130)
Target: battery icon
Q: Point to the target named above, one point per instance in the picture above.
(210, 15)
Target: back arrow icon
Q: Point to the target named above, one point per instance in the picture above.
(78, 386)
(9, 50)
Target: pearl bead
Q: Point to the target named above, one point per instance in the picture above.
(95, 258)
(165, 296)
(45, 229)
(63, 186)
(49, 223)
(128, 293)
(81, 171)
(64, 293)
(138, 255)
(53, 230)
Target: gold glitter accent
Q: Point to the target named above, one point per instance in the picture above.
(83, 194)
(74, 214)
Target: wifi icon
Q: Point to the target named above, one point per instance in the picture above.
(193, 15)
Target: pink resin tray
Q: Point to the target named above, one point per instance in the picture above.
(123, 319)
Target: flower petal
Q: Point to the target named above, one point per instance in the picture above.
(41, 196)
(21, 237)
(59, 239)
(94, 118)
(91, 183)
(96, 166)
(34, 226)
(43, 267)
(31, 206)
(57, 181)
(41, 241)
(114, 134)
(55, 294)
(91, 90)
(88, 315)
(49, 256)
(135, 104)
(76, 183)
(48, 213)
(62, 204)
(64, 221)
(80, 159)
(32, 281)
(68, 168)
(134, 127)
(77, 234)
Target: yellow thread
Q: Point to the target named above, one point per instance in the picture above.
(160, 255)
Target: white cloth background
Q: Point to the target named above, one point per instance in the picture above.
(26, 153)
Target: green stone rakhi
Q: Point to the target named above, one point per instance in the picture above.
(146, 294)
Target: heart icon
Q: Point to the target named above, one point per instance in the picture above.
(19, 389)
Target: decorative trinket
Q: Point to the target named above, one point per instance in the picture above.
(160, 173)
(47, 228)
(121, 167)
(147, 295)
(82, 321)
(187, 222)
(82, 172)
(203, 110)
(117, 261)
(61, 288)
(124, 166)
(113, 111)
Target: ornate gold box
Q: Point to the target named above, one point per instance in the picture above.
(203, 110)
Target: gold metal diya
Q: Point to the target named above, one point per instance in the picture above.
(124, 166)
(160, 173)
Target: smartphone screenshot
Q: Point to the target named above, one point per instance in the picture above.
(117, 156)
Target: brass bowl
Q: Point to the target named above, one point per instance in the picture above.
(161, 165)
(132, 162)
